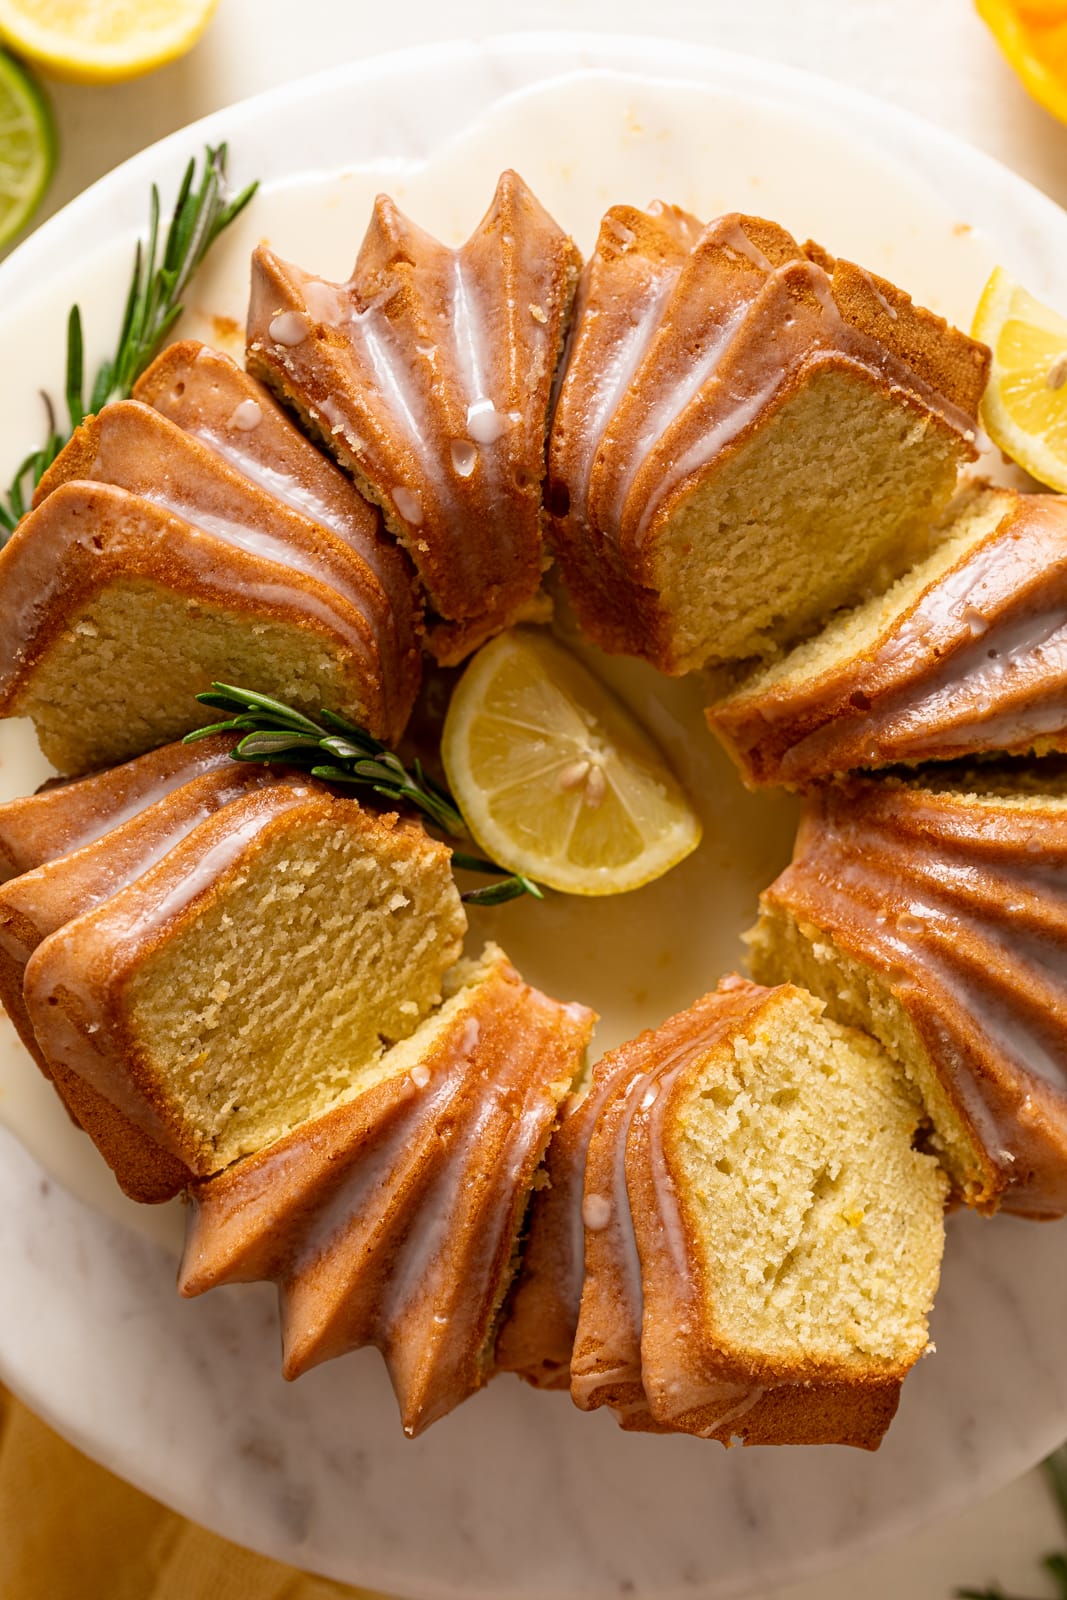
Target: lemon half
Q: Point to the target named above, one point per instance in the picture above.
(555, 777)
(1024, 408)
(103, 41)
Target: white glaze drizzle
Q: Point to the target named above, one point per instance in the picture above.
(615, 370)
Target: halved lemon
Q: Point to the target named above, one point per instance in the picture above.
(1024, 408)
(1033, 37)
(103, 41)
(554, 776)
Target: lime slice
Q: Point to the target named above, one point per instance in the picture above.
(27, 147)
(555, 778)
(1024, 408)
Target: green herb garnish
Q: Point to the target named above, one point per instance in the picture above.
(274, 732)
(154, 304)
(1055, 1470)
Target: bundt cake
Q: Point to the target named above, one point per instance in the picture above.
(762, 1241)
(428, 375)
(966, 654)
(934, 916)
(393, 1219)
(223, 996)
(150, 567)
(136, 814)
(747, 434)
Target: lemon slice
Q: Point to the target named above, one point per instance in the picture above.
(85, 41)
(1024, 408)
(27, 147)
(554, 776)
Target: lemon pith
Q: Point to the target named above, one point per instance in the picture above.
(85, 42)
(555, 777)
(1024, 408)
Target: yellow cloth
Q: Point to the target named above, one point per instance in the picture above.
(71, 1531)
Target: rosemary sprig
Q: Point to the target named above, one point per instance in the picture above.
(272, 731)
(153, 305)
(1055, 1470)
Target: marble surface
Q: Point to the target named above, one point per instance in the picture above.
(317, 1473)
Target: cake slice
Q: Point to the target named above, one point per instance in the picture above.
(150, 567)
(393, 1218)
(221, 997)
(780, 427)
(43, 899)
(965, 655)
(763, 1241)
(934, 915)
(428, 376)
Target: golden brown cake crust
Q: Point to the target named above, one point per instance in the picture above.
(391, 1220)
(208, 395)
(954, 903)
(536, 1338)
(606, 1363)
(428, 376)
(969, 668)
(62, 817)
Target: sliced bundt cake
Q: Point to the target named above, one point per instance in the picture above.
(428, 375)
(393, 1218)
(964, 655)
(150, 566)
(763, 1242)
(223, 996)
(747, 434)
(934, 915)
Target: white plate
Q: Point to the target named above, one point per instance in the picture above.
(517, 1494)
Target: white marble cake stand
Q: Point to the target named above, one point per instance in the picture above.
(517, 1495)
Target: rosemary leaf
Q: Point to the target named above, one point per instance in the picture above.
(275, 732)
(153, 305)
